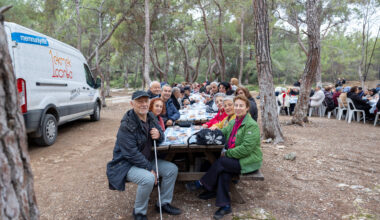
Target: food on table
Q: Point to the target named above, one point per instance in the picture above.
(192, 116)
(197, 127)
(182, 135)
(172, 138)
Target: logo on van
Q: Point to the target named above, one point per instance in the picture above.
(61, 66)
(29, 39)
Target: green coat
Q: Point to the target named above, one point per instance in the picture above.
(247, 144)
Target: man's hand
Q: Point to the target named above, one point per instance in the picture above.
(155, 177)
(169, 122)
(154, 133)
(205, 126)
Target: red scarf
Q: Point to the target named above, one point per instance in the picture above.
(161, 122)
(231, 141)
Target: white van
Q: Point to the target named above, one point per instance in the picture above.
(53, 80)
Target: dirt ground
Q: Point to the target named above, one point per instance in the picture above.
(336, 174)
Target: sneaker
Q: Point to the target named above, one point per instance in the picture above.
(169, 209)
(221, 212)
(207, 195)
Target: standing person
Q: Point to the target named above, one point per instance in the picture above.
(133, 160)
(242, 155)
(157, 107)
(172, 114)
(252, 103)
(154, 89)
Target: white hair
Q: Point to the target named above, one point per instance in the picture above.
(219, 94)
(214, 83)
(176, 89)
(229, 98)
(153, 82)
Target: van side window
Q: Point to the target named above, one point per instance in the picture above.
(89, 79)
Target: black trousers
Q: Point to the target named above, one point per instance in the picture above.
(218, 178)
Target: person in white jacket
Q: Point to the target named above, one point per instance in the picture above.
(317, 98)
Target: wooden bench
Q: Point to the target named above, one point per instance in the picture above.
(235, 195)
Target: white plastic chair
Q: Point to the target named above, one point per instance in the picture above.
(319, 108)
(377, 117)
(341, 108)
(351, 111)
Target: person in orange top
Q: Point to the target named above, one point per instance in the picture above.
(157, 107)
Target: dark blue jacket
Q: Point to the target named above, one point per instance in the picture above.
(171, 111)
(151, 95)
(130, 141)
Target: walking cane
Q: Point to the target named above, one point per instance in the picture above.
(158, 179)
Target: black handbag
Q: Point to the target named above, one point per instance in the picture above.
(208, 137)
(184, 123)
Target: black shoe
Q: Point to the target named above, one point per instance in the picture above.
(207, 195)
(192, 186)
(171, 210)
(221, 212)
(139, 216)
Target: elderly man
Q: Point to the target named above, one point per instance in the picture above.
(317, 98)
(154, 89)
(172, 114)
(133, 159)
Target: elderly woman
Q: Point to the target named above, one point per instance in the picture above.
(243, 155)
(218, 99)
(253, 107)
(157, 107)
(228, 106)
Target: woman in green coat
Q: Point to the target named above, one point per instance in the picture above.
(241, 155)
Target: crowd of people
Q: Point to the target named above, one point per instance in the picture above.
(158, 108)
(329, 97)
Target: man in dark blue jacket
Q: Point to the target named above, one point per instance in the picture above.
(133, 159)
(172, 114)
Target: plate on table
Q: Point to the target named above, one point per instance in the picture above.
(172, 138)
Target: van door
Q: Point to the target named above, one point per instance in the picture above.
(90, 87)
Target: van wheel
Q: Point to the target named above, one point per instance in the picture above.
(49, 131)
(96, 115)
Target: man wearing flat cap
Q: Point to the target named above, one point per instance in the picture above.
(133, 160)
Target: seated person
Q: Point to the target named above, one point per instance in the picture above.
(176, 97)
(154, 89)
(172, 114)
(283, 99)
(336, 95)
(358, 101)
(187, 95)
(214, 89)
(228, 106)
(317, 98)
(252, 103)
(225, 87)
(343, 95)
(234, 84)
(133, 160)
(294, 91)
(157, 107)
(243, 155)
(218, 97)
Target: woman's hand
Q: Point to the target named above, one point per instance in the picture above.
(205, 126)
(213, 128)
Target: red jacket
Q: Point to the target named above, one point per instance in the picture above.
(218, 118)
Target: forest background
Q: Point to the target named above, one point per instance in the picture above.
(195, 40)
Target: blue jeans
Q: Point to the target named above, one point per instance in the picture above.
(145, 181)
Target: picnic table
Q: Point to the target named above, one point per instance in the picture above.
(176, 143)
(196, 112)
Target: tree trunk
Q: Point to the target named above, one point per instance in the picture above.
(167, 58)
(126, 84)
(313, 8)
(79, 26)
(241, 46)
(146, 45)
(100, 73)
(17, 197)
(108, 86)
(269, 117)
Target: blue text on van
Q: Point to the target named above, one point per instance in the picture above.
(29, 39)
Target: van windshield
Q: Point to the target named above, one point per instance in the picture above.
(89, 79)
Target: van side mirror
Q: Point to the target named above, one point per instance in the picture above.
(98, 83)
